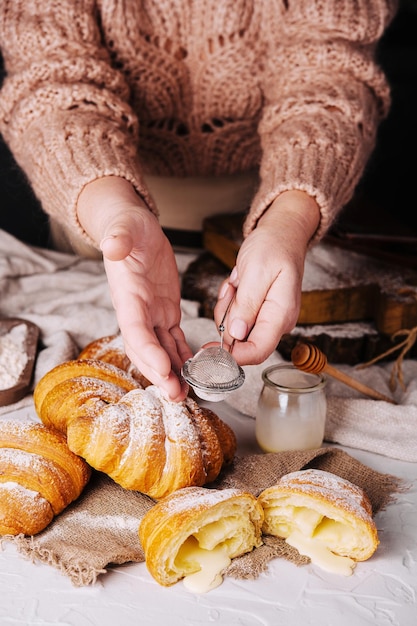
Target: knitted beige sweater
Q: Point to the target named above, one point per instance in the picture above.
(193, 87)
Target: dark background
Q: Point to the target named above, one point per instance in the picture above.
(386, 195)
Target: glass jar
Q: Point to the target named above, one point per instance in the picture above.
(291, 411)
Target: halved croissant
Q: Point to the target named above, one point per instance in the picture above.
(39, 476)
(324, 516)
(136, 436)
(194, 533)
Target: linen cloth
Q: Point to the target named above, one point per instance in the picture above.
(68, 298)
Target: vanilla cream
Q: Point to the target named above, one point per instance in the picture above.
(206, 565)
(320, 554)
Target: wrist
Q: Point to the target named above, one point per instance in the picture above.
(293, 210)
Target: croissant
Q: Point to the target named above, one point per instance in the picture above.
(193, 534)
(84, 385)
(136, 436)
(110, 349)
(323, 516)
(39, 476)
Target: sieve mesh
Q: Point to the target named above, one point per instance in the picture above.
(213, 371)
(213, 367)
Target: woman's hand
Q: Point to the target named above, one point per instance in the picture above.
(266, 281)
(143, 280)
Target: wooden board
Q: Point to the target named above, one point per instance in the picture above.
(347, 342)
(339, 285)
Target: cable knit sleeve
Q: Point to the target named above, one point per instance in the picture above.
(62, 104)
(324, 99)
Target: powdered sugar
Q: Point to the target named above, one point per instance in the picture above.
(87, 519)
(188, 498)
(21, 461)
(335, 489)
(14, 486)
(147, 443)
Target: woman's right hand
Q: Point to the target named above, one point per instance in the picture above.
(143, 280)
(264, 288)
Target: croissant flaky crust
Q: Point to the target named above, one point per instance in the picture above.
(136, 436)
(180, 530)
(321, 515)
(110, 349)
(39, 476)
(79, 386)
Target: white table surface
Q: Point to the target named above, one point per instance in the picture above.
(381, 592)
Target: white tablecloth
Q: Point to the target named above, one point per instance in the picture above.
(68, 298)
(381, 592)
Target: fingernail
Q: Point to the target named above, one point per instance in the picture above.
(238, 329)
(107, 238)
(223, 290)
(177, 398)
(233, 278)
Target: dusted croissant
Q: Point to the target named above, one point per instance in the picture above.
(79, 385)
(39, 476)
(195, 532)
(136, 436)
(110, 349)
(323, 516)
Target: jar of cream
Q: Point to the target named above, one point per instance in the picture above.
(291, 410)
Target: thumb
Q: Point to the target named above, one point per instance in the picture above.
(117, 246)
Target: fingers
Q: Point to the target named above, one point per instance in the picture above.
(116, 247)
(174, 343)
(159, 359)
(158, 353)
(148, 315)
(122, 233)
(239, 303)
(263, 338)
(263, 309)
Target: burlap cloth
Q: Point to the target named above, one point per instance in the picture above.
(101, 528)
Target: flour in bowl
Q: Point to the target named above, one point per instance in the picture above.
(13, 356)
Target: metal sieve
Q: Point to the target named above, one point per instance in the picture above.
(213, 372)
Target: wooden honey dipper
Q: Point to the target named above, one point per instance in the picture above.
(309, 358)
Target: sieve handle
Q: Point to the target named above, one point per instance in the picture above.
(221, 328)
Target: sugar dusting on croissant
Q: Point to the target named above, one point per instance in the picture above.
(136, 436)
(323, 516)
(110, 349)
(39, 476)
(193, 534)
(79, 385)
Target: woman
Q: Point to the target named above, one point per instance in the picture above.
(130, 116)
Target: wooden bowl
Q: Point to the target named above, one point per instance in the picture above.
(30, 346)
